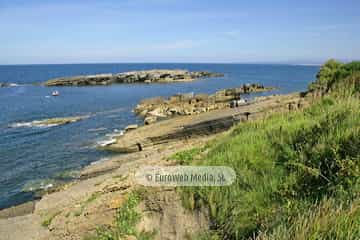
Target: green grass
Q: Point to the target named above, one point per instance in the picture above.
(47, 221)
(327, 220)
(125, 223)
(89, 200)
(185, 157)
(298, 174)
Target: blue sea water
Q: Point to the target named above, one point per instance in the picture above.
(31, 156)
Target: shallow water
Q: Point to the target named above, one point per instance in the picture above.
(32, 157)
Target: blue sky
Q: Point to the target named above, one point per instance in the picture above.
(270, 31)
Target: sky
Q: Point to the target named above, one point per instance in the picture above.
(206, 31)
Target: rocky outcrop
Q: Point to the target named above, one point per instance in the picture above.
(162, 212)
(188, 104)
(7, 85)
(205, 124)
(131, 127)
(50, 122)
(150, 76)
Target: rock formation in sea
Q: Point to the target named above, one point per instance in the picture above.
(188, 104)
(150, 76)
(7, 84)
(49, 122)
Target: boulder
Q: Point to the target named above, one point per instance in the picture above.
(157, 112)
(131, 127)
(5, 84)
(149, 120)
(174, 110)
(143, 113)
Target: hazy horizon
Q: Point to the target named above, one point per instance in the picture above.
(241, 63)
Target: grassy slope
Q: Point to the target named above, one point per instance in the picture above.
(297, 173)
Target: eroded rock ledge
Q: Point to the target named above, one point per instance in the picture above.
(206, 124)
(150, 76)
(189, 104)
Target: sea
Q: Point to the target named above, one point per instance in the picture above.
(34, 158)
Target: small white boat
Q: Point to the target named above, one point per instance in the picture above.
(55, 93)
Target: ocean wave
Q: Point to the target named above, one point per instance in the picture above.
(100, 161)
(9, 85)
(97, 129)
(109, 138)
(37, 185)
(32, 124)
(106, 142)
(67, 175)
(116, 110)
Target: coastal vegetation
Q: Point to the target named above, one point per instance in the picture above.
(48, 219)
(126, 219)
(298, 173)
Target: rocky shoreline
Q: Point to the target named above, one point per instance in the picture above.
(80, 207)
(157, 108)
(161, 133)
(149, 76)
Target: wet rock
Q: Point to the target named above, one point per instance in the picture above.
(143, 113)
(131, 127)
(158, 112)
(7, 84)
(149, 120)
(50, 122)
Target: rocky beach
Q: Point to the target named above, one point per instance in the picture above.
(77, 209)
(146, 125)
(179, 120)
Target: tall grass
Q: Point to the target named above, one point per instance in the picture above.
(326, 220)
(298, 174)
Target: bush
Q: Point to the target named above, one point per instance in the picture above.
(324, 156)
(336, 76)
